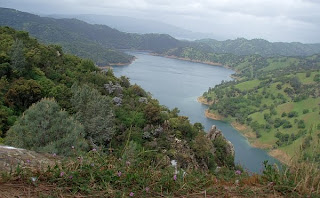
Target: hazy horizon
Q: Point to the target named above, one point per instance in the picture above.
(275, 21)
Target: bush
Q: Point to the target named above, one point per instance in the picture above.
(44, 127)
(95, 112)
(23, 93)
(305, 111)
(301, 124)
(293, 114)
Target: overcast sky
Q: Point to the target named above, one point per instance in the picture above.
(274, 20)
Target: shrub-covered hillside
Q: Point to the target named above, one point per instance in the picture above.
(107, 137)
(48, 86)
(60, 104)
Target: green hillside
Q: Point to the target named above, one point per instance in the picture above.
(281, 107)
(242, 46)
(248, 66)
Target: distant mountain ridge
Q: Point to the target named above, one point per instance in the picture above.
(140, 26)
(242, 46)
(84, 39)
(102, 43)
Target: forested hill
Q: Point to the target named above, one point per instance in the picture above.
(97, 42)
(242, 46)
(100, 42)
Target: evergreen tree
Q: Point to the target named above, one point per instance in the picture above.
(18, 61)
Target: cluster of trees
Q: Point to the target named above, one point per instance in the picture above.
(58, 103)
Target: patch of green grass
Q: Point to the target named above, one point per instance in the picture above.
(280, 63)
(248, 85)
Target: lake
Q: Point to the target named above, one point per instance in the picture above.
(177, 83)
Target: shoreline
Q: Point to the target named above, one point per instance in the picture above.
(212, 116)
(199, 61)
(249, 135)
(204, 101)
(124, 64)
(191, 60)
(118, 64)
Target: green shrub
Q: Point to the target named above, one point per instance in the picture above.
(305, 111)
(301, 124)
(95, 112)
(44, 127)
(293, 114)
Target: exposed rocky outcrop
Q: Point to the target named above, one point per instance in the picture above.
(143, 100)
(215, 133)
(11, 157)
(113, 88)
(117, 101)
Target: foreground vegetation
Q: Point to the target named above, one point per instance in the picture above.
(97, 174)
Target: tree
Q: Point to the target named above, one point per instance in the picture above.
(44, 127)
(23, 93)
(316, 78)
(95, 112)
(18, 61)
(279, 86)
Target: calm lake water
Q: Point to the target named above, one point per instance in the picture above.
(177, 83)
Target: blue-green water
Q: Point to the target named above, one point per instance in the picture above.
(177, 83)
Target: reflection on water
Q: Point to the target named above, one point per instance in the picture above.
(177, 83)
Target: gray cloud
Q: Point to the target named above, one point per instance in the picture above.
(275, 20)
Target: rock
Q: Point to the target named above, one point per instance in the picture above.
(117, 101)
(143, 100)
(214, 133)
(10, 157)
(157, 131)
(152, 130)
(111, 88)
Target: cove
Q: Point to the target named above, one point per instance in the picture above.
(177, 83)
